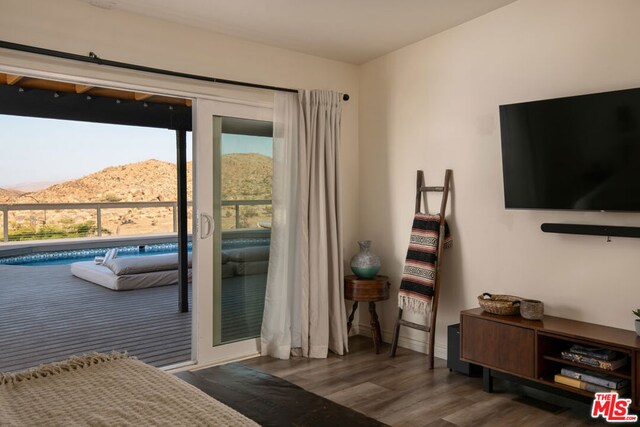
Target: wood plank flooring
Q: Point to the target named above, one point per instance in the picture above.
(401, 391)
(272, 401)
(46, 314)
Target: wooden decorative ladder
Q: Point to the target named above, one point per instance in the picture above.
(421, 191)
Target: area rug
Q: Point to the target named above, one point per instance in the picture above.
(272, 401)
(106, 390)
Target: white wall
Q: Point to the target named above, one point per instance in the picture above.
(434, 105)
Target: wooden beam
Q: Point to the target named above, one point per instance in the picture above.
(47, 85)
(139, 96)
(83, 88)
(78, 88)
(13, 79)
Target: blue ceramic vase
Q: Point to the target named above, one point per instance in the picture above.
(365, 264)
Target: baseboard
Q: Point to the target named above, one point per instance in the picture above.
(404, 342)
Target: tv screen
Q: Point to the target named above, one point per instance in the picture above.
(580, 152)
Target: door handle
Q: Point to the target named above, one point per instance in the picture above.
(210, 226)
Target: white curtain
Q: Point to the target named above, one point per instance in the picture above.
(304, 310)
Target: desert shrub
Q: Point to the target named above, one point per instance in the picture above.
(54, 231)
(250, 212)
(111, 197)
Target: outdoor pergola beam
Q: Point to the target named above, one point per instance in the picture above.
(83, 88)
(13, 79)
(139, 96)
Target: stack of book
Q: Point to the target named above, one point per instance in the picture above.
(602, 358)
(594, 382)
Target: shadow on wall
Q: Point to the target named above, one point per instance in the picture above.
(452, 296)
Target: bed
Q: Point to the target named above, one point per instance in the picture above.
(104, 390)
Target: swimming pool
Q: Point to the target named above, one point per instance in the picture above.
(75, 255)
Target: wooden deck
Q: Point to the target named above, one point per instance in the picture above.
(46, 314)
(242, 307)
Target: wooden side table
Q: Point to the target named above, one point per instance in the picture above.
(371, 291)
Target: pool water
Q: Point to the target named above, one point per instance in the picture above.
(76, 255)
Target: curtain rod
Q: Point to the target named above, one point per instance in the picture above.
(95, 59)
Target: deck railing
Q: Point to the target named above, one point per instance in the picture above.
(99, 206)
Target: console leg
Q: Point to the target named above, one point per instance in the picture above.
(487, 380)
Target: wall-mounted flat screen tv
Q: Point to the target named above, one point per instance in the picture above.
(580, 152)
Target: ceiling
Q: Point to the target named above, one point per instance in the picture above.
(354, 31)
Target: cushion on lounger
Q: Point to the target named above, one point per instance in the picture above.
(254, 267)
(228, 270)
(251, 253)
(144, 264)
(101, 275)
(109, 255)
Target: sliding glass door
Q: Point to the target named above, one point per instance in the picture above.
(233, 170)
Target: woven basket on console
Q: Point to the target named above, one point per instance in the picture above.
(500, 304)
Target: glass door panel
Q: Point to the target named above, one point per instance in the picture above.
(243, 153)
(232, 188)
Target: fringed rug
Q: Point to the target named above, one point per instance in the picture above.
(419, 274)
(106, 390)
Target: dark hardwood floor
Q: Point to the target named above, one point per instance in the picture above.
(401, 391)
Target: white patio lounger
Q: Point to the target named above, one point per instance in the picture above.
(121, 274)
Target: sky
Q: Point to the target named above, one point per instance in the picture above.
(34, 150)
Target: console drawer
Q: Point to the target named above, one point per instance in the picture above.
(497, 345)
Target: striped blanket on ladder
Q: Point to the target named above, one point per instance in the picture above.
(419, 275)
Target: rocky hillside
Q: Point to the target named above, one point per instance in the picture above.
(244, 176)
(151, 180)
(8, 196)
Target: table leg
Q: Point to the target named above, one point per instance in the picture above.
(487, 380)
(353, 311)
(375, 327)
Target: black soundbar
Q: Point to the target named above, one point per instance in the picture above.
(594, 230)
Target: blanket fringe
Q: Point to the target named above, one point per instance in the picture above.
(55, 368)
(415, 305)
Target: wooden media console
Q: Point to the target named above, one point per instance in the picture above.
(531, 349)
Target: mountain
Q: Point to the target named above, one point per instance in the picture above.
(150, 180)
(8, 196)
(244, 177)
(26, 187)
